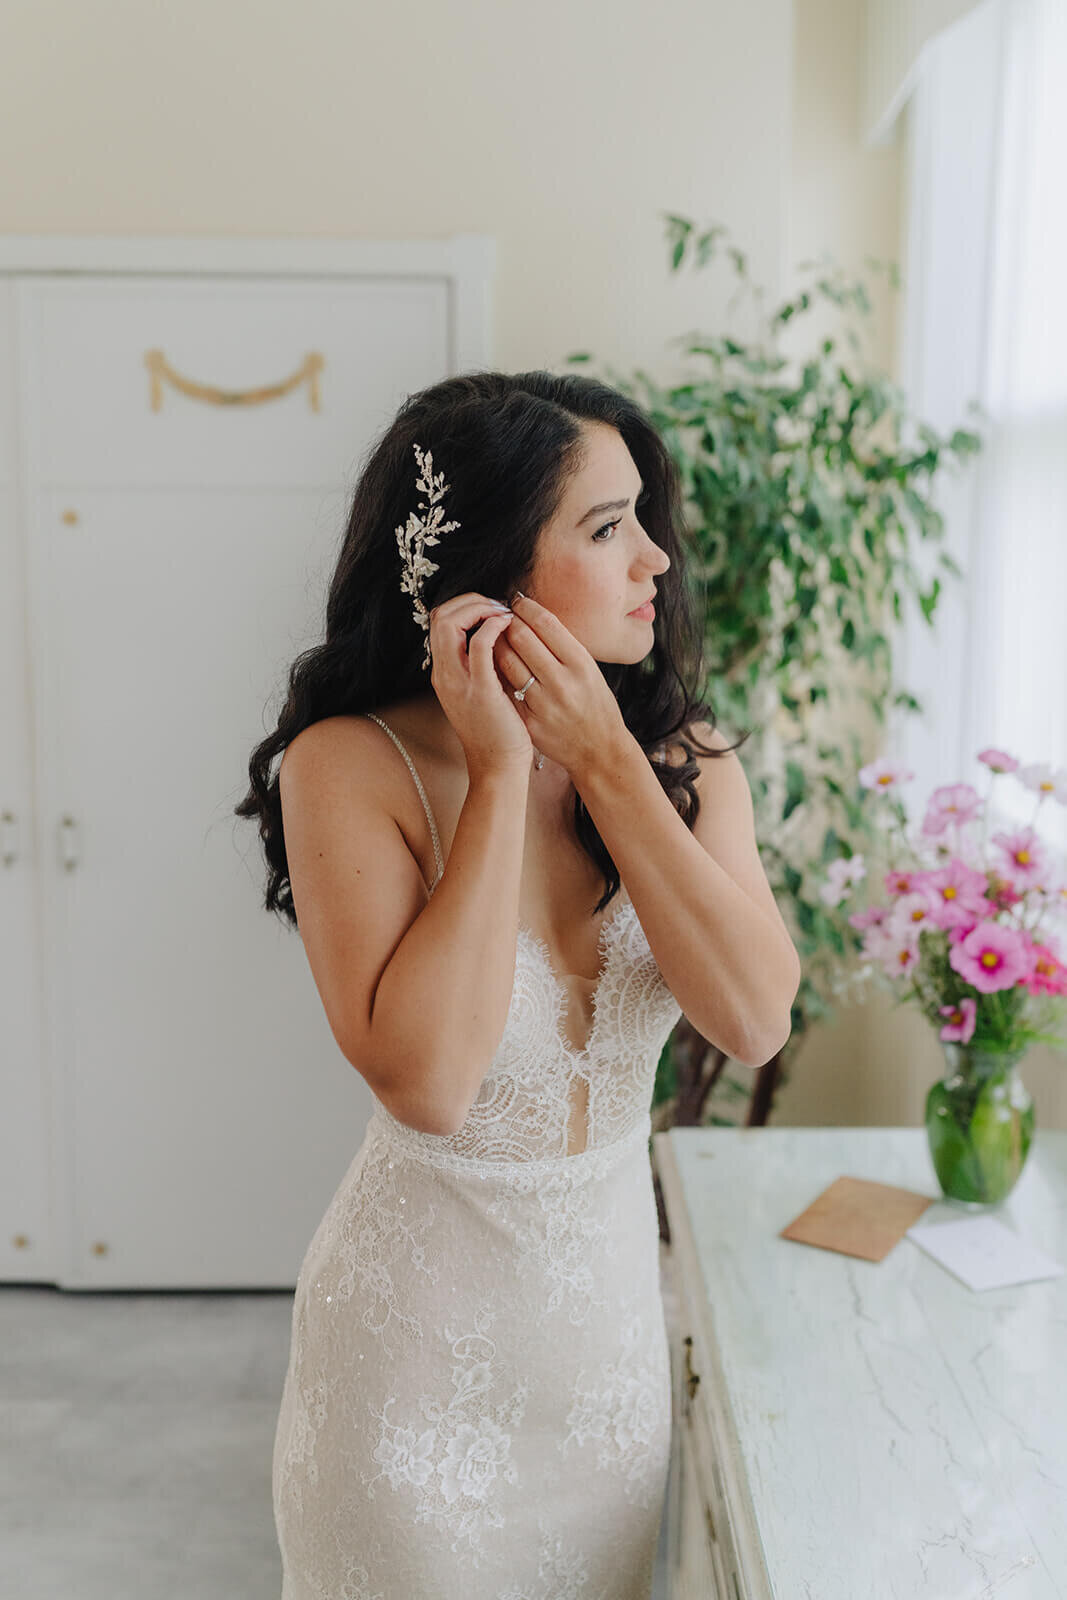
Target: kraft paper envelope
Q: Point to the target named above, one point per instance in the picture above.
(858, 1218)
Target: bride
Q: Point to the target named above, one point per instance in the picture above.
(516, 853)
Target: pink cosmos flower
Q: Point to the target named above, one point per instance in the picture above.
(869, 918)
(1049, 975)
(914, 912)
(952, 803)
(895, 949)
(901, 881)
(841, 874)
(991, 957)
(958, 893)
(1040, 777)
(960, 1024)
(1024, 853)
(999, 760)
(881, 774)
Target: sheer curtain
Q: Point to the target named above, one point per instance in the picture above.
(985, 318)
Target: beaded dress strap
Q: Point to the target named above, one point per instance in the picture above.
(438, 859)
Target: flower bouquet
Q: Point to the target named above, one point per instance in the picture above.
(965, 932)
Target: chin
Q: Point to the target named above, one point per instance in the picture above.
(621, 656)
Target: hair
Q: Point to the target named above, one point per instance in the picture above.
(509, 443)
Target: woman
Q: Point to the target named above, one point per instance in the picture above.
(508, 888)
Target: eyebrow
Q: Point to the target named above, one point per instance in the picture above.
(607, 505)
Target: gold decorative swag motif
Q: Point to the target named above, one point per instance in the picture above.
(160, 370)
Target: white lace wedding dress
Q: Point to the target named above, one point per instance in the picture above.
(477, 1404)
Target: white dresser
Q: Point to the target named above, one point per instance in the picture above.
(848, 1428)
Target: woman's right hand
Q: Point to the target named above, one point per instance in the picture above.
(466, 682)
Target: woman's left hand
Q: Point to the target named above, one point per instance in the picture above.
(570, 713)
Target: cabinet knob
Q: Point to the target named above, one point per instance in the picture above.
(9, 847)
(691, 1378)
(68, 844)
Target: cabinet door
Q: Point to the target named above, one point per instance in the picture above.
(177, 561)
(25, 1234)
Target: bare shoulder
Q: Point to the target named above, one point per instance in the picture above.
(336, 751)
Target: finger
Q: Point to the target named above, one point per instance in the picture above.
(532, 649)
(510, 663)
(480, 649)
(452, 620)
(536, 621)
(464, 606)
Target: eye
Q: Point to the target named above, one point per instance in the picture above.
(609, 527)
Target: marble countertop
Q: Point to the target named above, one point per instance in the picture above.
(901, 1435)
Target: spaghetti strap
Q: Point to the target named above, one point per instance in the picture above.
(438, 858)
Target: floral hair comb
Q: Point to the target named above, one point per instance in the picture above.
(419, 532)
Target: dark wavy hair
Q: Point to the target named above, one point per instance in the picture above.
(508, 443)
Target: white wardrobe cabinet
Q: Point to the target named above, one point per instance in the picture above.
(181, 425)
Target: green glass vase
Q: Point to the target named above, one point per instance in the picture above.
(979, 1123)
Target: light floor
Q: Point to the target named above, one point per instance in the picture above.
(136, 1433)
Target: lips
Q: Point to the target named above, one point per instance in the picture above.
(642, 606)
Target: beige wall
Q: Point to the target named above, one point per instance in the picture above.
(842, 197)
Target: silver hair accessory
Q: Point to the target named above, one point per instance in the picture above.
(412, 540)
(418, 533)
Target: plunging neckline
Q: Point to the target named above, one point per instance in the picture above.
(541, 949)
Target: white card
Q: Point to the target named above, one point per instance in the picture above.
(983, 1253)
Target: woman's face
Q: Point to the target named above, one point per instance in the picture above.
(595, 563)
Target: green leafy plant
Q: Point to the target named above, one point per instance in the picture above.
(808, 489)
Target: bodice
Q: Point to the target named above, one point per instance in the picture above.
(539, 1091)
(526, 1106)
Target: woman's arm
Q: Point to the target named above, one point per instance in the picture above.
(416, 992)
(702, 897)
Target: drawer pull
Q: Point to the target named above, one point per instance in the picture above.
(712, 1530)
(159, 368)
(691, 1378)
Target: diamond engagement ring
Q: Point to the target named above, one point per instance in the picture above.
(520, 694)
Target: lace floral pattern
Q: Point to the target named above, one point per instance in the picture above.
(562, 1572)
(617, 1407)
(364, 1243)
(568, 1237)
(523, 1108)
(453, 1465)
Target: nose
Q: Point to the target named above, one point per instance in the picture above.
(656, 557)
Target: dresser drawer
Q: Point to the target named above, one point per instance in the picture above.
(699, 1442)
(698, 1572)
